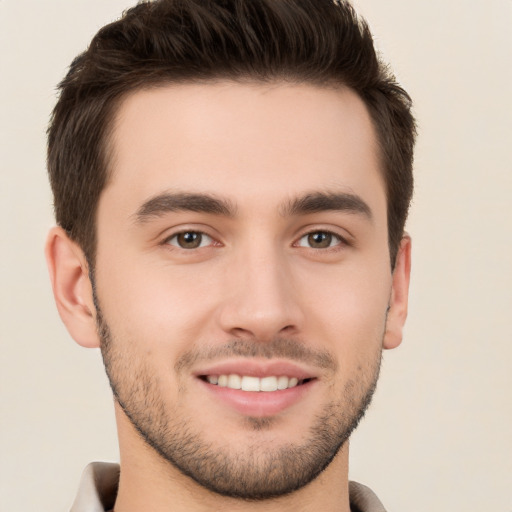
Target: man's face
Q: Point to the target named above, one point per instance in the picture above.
(242, 241)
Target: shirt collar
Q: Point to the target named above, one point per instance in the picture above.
(98, 491)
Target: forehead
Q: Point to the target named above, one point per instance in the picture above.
(242, 140)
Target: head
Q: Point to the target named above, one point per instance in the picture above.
(232, 181)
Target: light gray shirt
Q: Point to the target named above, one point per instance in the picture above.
(98, 491)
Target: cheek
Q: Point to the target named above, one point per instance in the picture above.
(152, 304)
(349, 307)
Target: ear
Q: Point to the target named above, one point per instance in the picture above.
(398, 301)
(72, 289)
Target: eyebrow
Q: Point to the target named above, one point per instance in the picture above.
(327, 201)
(314, 202)
(183, 201)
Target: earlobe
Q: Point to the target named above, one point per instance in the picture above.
(397, 312)
(69, 275)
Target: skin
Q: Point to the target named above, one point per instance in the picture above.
(256, 276)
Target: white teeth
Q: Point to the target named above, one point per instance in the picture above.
(268, 384)
(234, 382)
(282, 382)
(249, 383)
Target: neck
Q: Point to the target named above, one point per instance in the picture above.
(148, 482)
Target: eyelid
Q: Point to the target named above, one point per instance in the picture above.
(206, 240)
(189, 229)
(344, 240)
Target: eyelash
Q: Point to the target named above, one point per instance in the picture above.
(201, 234)
(340, 241)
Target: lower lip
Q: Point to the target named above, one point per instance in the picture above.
(259, 404)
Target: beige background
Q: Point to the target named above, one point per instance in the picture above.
(438, 436)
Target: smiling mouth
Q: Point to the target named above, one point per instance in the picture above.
(254, 384)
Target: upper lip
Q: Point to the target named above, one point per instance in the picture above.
(256, 368)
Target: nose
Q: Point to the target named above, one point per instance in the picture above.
(262, 299)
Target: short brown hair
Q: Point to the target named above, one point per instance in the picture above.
(320, 42)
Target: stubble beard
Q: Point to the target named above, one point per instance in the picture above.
(261, 471)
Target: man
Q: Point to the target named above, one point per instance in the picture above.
(231, 183)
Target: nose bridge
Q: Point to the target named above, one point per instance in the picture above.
(262, 303)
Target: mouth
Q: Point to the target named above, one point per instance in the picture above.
(254, 384)
(258, 388)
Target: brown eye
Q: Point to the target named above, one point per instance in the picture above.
(319, 240)
(190, 240)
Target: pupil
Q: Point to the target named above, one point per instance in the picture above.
(189, 240)
(320, 239)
